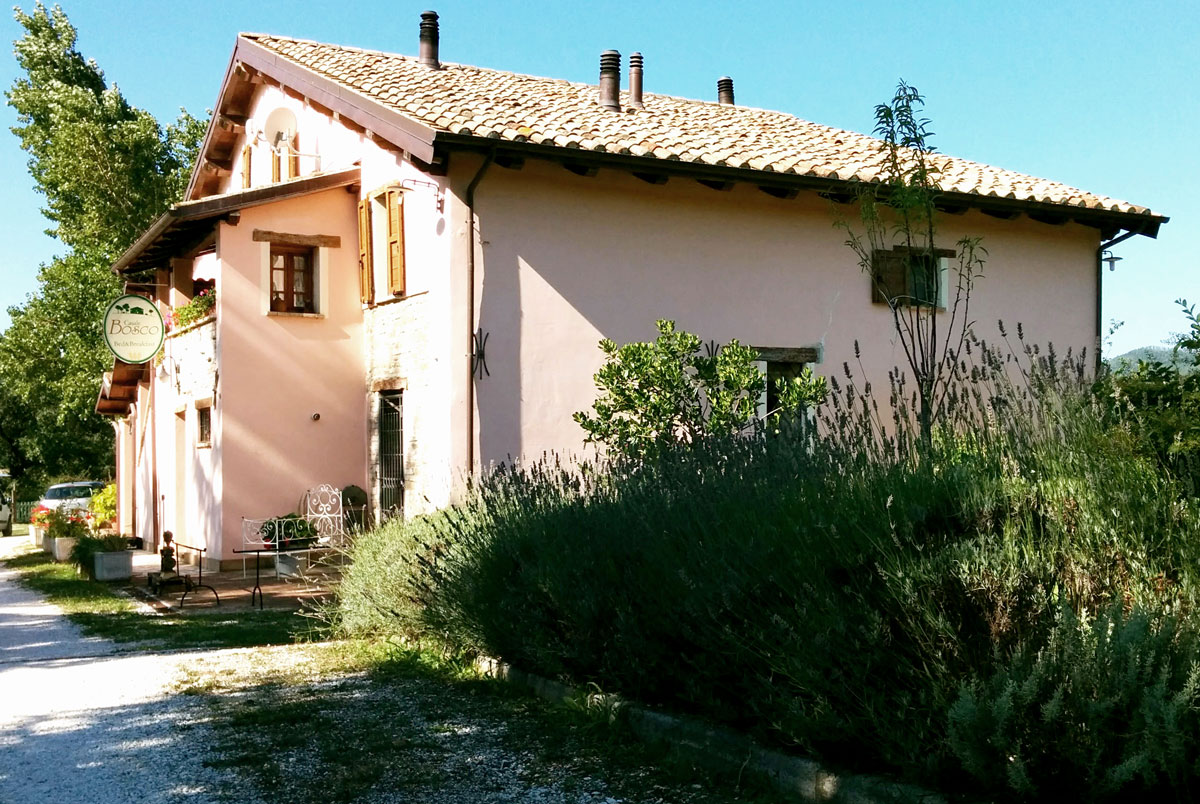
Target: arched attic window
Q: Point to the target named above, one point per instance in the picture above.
(282, 135)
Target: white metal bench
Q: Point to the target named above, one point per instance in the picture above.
(321, 526)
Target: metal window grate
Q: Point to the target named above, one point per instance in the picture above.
(391, 451)
(203, 425)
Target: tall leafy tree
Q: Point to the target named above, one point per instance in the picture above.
(106, 169)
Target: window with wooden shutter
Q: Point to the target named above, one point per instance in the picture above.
(247, 151)
(275, 166)
(887, 277)
(366, 288)
(294, 157)
(395, 243)
(908, 277)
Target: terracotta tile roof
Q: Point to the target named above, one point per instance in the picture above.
(478, 102)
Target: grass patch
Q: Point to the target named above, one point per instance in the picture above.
(102, 611)
(344, 721)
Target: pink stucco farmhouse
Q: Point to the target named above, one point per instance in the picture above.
(414, 260)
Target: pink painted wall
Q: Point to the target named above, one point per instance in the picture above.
(567, 260)
(276, 370)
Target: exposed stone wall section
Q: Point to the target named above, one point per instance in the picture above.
(403, 353)
(191, 357)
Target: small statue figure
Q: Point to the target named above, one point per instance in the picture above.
(167, 552)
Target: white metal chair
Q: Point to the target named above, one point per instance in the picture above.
(323, 510)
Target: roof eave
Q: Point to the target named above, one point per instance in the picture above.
(212, 125)
(220, 206)
(109, 401)
(1106, 220)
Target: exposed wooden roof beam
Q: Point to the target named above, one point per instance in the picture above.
(217, 166)
(779, 192)
(233, 123)
(651, 178)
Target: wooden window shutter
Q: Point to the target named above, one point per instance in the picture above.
(395, 207)
(247, 152)
(274, 166)
(366, 287)
(294, 157)
(888, 278)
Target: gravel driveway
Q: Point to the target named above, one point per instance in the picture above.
(81, 722)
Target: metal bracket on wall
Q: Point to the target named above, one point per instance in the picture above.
(479, 366)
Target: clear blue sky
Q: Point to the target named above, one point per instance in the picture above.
(1101, 95)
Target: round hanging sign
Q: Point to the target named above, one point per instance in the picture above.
(133, 329)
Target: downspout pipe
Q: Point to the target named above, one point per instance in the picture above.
(1099, 291)
(479, 174)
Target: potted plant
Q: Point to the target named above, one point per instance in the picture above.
(198, 308)
(289, 532)
(103, 506)
(38, 523)
(64, 529)
(104, 558)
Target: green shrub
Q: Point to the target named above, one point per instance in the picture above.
(377, 596)
(836, 597)
(1160, 404)
(1107, 709)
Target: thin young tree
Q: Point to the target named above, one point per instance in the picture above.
(898, 229)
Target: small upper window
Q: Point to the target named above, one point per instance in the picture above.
(292, 279)
(203, 426)
(910, 277)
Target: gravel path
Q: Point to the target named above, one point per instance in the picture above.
(79, 722)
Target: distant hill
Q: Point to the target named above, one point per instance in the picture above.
(1155, 354)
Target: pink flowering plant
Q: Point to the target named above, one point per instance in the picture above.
(199, 307)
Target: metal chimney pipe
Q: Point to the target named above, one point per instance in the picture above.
(635, 80)
(610, 80)
(725, 90)
(428, 54)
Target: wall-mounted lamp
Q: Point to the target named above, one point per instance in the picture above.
(1111, 259)
(412, 184)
